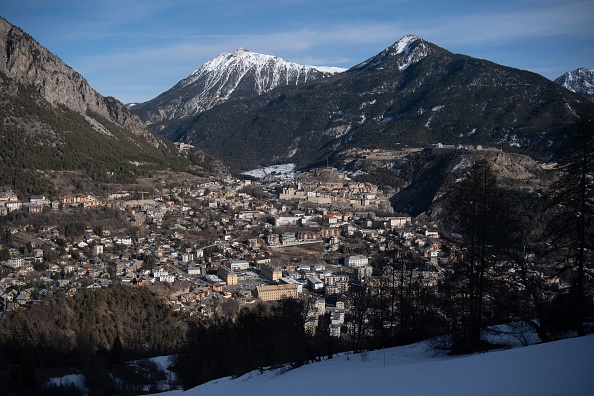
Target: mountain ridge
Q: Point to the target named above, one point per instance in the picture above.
(405, 52)
(25, 60)
(52, 121)
(412, 94)
(236, 75)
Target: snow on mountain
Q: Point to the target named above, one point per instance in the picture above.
(405, 52)
(580, 80)
(271, 71)
(329, 69)
(236, 75)
(281, 171)
(556, 368)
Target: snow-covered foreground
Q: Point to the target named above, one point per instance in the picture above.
(559, 368)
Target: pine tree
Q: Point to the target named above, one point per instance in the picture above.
(570, 227)
(475, 212)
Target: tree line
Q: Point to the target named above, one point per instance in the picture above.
(93, 332)
(256, 337)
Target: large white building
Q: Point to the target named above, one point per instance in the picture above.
(356, 261)
(276, 292)
(239, 265)
(162, 275)
(15, 262)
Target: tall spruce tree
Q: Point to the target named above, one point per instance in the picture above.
(570, 227)
(475, 212)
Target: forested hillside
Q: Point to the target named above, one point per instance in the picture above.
(92, 332)
(51, 120)
(38, 138)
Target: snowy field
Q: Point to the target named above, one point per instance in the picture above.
(282, 172)
(563, 367)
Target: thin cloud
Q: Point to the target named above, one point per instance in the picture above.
(176, 51)
(513, 25)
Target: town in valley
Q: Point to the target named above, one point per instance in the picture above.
(202, 244)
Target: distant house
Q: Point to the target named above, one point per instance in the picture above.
(270, 272)
(288, 237)
(362, 273)
(22, 299)
(70, 199)
(329, 232)
(138, 219)
(35, 209)
(336, 323)
(12, 205)
(229, 276)
(287, 221)
(335, 218)
(61, 282)
(14, 262)
(273, 239)
(38, 200)
(393, 222)
(125, 241)
(97, 250)
(336, 283)
(169, 278)
(315, 283)
(8, 196)
(162, 275)
(195, 270)
(356, 261)
(118, 195)
(92, 203)
(431, 234)
(287, 280)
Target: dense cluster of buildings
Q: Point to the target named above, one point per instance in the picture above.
(216, 240)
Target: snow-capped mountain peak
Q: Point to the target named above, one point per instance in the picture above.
(405, 52)
(243, 61)
(402, 46)
(580, 80)
(231, 75)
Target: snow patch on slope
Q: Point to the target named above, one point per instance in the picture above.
(408, 50)
(463, 164)
(403, 45)
(281, 171)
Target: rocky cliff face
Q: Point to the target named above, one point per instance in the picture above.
(25, 61)
(52, 122)
(434, 177)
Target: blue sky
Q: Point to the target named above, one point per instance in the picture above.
(136, 49)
